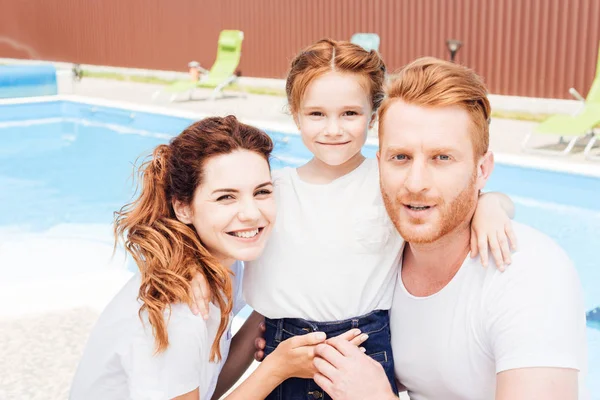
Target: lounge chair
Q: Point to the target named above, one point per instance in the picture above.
(222, 74)
(584, 124)
(368, 41)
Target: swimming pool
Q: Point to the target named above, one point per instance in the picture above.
(65, 166)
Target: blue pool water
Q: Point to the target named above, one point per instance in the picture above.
(27, 80)
(66, 162)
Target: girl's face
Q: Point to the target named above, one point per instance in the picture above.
(233, 210)
(335, 116)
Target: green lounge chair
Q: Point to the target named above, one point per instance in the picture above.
(368, 41)
(222, 74)
(581, 125)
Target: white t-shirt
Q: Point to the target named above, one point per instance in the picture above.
(333, 253)
(119, 362)
(451, 345)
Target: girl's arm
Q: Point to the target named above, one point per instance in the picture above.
(492, 225)
(241, 354)
(505, 202)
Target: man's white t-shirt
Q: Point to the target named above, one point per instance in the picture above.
(451, 345)
(119, 361)
(333, 253)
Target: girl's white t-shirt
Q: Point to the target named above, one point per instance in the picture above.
(333, 253)
(119, 361)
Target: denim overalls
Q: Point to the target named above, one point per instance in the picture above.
(376, 324)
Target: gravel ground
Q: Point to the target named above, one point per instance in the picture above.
(40, 353)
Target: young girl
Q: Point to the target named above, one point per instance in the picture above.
(331, 262)
(206, 204)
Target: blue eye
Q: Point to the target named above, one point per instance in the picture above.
(400, 157)
(443, 157)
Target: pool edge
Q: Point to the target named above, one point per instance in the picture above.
(522, 160)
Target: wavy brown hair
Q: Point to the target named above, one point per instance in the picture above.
(168, 252)
(328, 55)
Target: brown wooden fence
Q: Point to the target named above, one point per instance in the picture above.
(536, 48)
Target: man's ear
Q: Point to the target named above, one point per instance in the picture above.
(485, 166)
(183, 211)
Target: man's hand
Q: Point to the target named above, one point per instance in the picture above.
(353, 336)
(346, 373)
(295, 355)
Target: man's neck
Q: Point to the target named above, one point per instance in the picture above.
(429, 267)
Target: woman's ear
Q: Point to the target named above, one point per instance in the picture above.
(183, 211)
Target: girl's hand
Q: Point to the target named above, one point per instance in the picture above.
(491, 225)
(293, 358)
(200, 294)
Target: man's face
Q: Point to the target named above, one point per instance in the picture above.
(429, 176)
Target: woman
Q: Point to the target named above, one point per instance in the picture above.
(206, 204)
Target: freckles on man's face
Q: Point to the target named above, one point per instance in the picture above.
(427, 170)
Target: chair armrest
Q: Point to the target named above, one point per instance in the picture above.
(576, 94)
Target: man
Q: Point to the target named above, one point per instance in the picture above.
(460, 331)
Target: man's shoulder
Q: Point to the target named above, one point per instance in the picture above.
(533, 313)
(537, 250)
(540, 268)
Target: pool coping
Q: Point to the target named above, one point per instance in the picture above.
(548, 163)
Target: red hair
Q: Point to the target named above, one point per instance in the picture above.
(168, 252)
(431, 82)
(330, 55)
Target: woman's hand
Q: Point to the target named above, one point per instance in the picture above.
(293, 358)
(200, 294)
(260, 343)
(492, 225)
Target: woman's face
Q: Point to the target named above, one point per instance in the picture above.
(233, 210)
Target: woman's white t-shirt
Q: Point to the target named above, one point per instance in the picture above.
(119, 361)
(333, 253)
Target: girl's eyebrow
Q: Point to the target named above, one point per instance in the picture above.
(310, 108)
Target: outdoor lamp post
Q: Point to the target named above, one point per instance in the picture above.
(453, 47)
